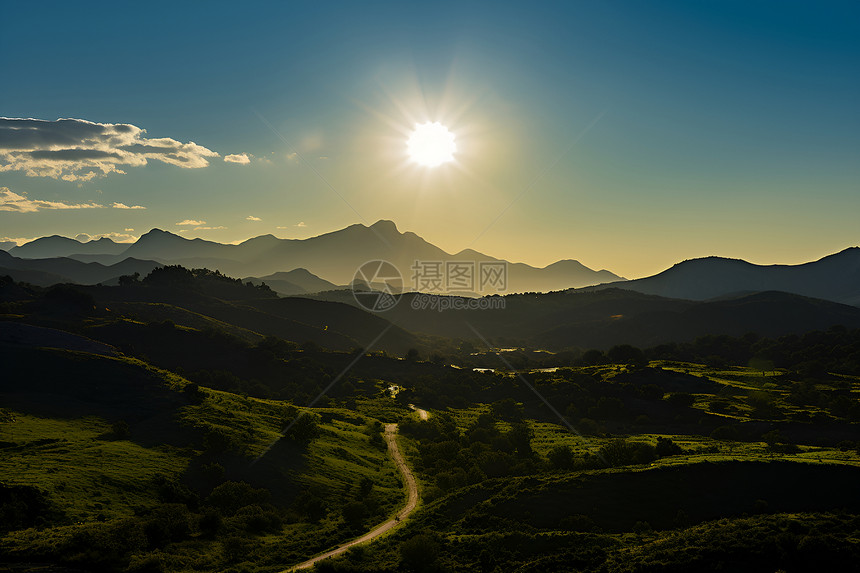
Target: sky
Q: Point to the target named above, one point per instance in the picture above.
(626, 135)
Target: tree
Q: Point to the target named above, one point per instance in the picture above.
(620, 452)
(681, 400)
(507, 409)
(232, 495)
(666, 447)
(561, 457)
(304, 428)
(725, 433)
(626, 354)
(365, 486)
(412, 355)
(520, 437)
(592, 357)
(127, 280)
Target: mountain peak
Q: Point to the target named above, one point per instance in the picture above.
(156, 233)
(385, 226)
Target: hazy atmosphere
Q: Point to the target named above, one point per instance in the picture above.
(440, 287)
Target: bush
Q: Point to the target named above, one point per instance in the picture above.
(230, 496)
(666, 447)
(167, 523)
(255, 519)
(727, 433)
(304, 428)
(620, 452)
(681, 400)
(561, 457)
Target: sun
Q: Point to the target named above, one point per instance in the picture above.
(431, 144)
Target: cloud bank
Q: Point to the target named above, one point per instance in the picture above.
(11, 201)
(80, 150)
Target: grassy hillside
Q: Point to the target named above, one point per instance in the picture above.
(127, 465)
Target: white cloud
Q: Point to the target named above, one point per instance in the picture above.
(210, 228)
(80, 150)
(252, 218)
(11, 201)
(124, 206)
(292, 156)
(191, 222)
(301, 224)
(241, 158)
(17, 240)
(129, 230)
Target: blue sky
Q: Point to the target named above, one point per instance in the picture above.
(627, 135)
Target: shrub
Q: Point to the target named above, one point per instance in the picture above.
(561, 457)
(725, 433)
(620, 452)
(666, 447)
(232, 495)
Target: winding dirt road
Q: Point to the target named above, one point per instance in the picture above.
(411, 502)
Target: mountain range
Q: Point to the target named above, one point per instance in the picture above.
(334, 257)
(328, 262)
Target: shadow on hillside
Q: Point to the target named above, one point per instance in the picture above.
(54, 383)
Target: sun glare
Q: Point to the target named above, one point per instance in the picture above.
(431, 144)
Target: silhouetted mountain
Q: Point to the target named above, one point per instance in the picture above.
(163, 245)
(835, 277)
(45, 272)
(336, 256)
(57, 246)
(296, 281)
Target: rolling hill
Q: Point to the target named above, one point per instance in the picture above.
(835, 277)
(46, 272)
(607, 317)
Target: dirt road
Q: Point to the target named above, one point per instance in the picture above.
(411, 502)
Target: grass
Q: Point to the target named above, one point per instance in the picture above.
(86, 476)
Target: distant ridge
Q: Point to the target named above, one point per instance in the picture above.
(57, 246)
(49, 271)
(332, 257)
(834, 277)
